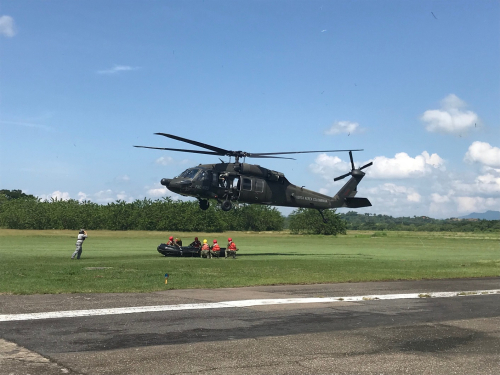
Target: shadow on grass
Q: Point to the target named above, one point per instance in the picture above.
(305, 255)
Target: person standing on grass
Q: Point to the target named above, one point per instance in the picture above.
(82, 235)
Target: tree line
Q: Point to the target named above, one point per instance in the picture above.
(22, 211)
(357, 221)
(151, 215)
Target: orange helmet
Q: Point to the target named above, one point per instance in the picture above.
(215, 241)
(171, 238)
(229, 239)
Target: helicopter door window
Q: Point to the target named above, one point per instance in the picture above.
(259, 186)
(236, 183)
(215, 179)
(247, 184)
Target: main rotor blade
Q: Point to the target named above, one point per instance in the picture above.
(352, 161)
(267, 157)
(298, 152)
(341, 177)
(182, 150)
(366, 165)
(220, 151)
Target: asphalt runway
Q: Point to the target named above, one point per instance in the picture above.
(454, 335)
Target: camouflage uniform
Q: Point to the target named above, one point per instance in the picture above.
(205, 251)
(215, 250)
(231, 249)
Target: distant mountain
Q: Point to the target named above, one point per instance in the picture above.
(488, 215)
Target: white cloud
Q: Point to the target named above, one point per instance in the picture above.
(329, 166)
(487, 184)
(165, 160)
(346, 127)
(123, 197)
(168, 160)
(157, 191)
(437, 198)
(7, 26)
(451, 118)
(404, 166)
(401, 166)
(117, 69)
(56, 195)
(414, 197)
(484, 153)
(390, 192)
(82, 196)
(476, 204)
(109, 196)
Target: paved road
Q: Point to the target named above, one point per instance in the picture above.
(459, 335)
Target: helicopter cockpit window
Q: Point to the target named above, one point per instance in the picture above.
(189, 173)
(201, 176)
(247, 184)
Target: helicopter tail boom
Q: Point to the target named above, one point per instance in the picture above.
(346, 195)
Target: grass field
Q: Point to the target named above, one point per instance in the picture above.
(39, 261)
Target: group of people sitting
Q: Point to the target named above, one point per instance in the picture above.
(207, 251)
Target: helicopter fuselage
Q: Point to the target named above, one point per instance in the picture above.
(249, 183)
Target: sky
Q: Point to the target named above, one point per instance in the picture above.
(415, 84)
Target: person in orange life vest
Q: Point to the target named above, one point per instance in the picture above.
(215, 250)
(231, 248)
(205, 250)
(171, 241)
(195, 243)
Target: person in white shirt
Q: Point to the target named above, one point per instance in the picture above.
(82, 235)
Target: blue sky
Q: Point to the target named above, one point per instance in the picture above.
(414, 84)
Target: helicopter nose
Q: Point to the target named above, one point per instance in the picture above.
(165, 181)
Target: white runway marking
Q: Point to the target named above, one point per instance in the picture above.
(232, 304)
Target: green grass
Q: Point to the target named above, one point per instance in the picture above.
(39, 261)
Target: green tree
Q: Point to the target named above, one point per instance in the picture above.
(308, 221)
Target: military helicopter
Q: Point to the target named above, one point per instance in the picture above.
(250, 183)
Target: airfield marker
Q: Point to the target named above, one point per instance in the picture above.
(240, 304)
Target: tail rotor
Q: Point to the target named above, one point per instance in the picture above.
(353, 169)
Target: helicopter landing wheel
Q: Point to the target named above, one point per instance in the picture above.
(226, 205)
(204, 204)
(325, 220)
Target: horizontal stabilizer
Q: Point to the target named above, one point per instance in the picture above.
(357, 202)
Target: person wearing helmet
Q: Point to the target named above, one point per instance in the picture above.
(178, 242)
(171, 241)
(231, 248)
(205, 250)
(195, 243)
(215, 250)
